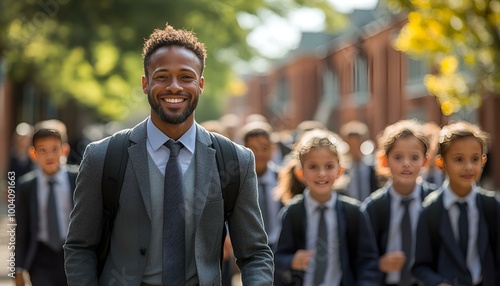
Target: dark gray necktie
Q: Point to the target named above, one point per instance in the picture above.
(321, 256)
(173, 220)
(463, 228)
(406, 242)
(55, 241)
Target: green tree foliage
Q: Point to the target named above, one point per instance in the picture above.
(90, 50)
(462, 39)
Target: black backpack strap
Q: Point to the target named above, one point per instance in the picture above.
(228, 166)
(113, 173)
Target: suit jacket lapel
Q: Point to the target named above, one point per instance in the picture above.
(449, 241)
(482, 236)
(138, 158)
(342, 233)
(386, 218)
(72, 186)
(206, 173)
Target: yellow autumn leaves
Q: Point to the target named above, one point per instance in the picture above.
(460, 39)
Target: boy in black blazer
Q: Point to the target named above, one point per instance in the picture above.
(44, 201)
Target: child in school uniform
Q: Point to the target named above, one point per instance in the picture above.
(324, 239)
(393, 209)
(458, 238)
(44, 201)
(256, 136)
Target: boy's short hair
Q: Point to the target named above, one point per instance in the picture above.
(460, 130)
(54, 124)
(46, 133)
(254, 129)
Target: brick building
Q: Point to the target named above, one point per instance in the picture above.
(356, 75)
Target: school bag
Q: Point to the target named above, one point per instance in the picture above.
(115, 164)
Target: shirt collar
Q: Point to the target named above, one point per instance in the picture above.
(450, 198)
(312, 204)
(157, 138)
(415, 195)
(58, 177)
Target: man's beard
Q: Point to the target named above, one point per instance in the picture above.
(176, 119)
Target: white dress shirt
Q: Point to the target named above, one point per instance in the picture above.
(62, 192)
(160, 153)
(394, 236)
(449, 201)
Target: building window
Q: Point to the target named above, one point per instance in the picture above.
(416, 71)
(279, 103)
(361, 80)
(330, 97)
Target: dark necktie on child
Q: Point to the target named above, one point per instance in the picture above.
(321, 256)
(173, 220)
(463, 228)
(55, 241)
(406, 242)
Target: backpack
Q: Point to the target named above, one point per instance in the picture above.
(115, 164)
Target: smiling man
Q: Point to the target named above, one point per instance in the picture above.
(170, 220)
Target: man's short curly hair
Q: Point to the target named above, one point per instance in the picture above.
(172, 37)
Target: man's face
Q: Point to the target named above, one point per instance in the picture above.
(173, 85)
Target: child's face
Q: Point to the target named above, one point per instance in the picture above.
(262, 150)
(405, 159)
(48, 151)
(463, 162)
(321, 168)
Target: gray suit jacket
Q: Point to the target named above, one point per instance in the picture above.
(131, 233)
